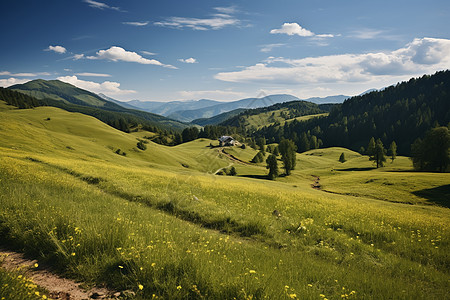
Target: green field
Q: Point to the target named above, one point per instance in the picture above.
(159, 223)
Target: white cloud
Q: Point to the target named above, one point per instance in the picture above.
(190, 60)
(270, 47)
(136, 23)
(78, 56)
(57, 49)
(227, 10)
(296, 29)
(212, 94)
(148, 53)
(215, 22)
(6, 73)
(425, 55)
(100, 5)
(115, 54)
(370, 34)
(93, 74)
(12, 81)
(106, 87)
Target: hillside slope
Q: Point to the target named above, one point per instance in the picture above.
(45, 130)
(66, 96)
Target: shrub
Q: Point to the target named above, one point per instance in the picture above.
(141, 145)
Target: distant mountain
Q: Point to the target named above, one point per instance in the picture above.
(219, 118)
(121, 103)
(222, 107)
(66, 96)
(167, 108)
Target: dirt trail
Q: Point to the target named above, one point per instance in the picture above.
(232, 157)
(58, 287)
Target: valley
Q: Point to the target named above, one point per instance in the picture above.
(159, 223)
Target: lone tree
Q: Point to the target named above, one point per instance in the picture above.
(287, 150)
(378, 154)
(272, 165)
(342, 158)
(371, 147)
(393, 151)
(432, 154)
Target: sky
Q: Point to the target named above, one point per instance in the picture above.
(223, 50)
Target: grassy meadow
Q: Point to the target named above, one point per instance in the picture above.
(157, 222)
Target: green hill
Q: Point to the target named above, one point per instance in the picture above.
(66, 96)
(61, 91)
(251, 119)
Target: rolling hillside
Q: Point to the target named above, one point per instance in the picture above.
(157, 222)
(66, 96)
(275, 114)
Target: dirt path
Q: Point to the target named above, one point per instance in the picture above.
(58, 287)
(232, 157)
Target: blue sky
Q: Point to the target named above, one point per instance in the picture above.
(223, 50)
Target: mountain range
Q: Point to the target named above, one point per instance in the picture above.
(187, 111)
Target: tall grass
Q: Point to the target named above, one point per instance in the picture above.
(142, 229)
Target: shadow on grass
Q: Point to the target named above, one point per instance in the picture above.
(265, 177)
(439, 195)
(357, 169)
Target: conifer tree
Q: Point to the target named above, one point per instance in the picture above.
(393, 151)
(371, 147)
(288, 155)
(272, 165)
(379, 154)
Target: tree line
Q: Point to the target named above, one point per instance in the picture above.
(403, 113)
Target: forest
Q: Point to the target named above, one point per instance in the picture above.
(400, 113)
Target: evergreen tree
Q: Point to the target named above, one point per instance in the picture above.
(342, 158)
(276, 151)
(371, 147)
(393, 151)
(304, 143)
(432, 153)
(177, 139)
(287, 149)
(272, 165)
(259, 157)
(379, 154)
(261, 142)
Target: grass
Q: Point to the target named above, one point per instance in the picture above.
(146, 223)
(14, 285)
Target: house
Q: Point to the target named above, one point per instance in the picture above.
(226, 141)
